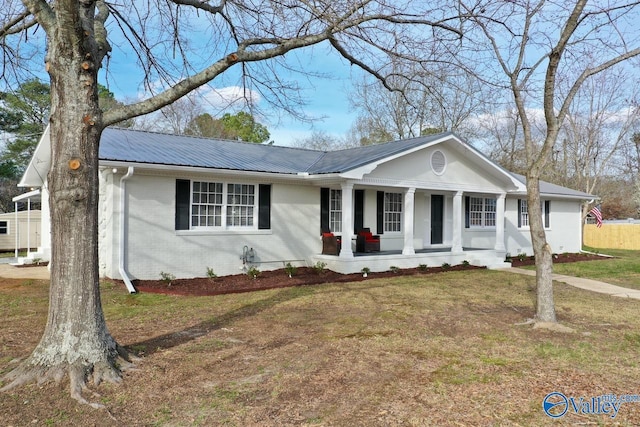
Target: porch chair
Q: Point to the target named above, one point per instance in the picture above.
(367, 242)
(331, 244)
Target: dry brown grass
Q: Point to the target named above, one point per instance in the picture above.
(421, 350)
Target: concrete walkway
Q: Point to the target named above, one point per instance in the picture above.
(12, 272)
(587, 284)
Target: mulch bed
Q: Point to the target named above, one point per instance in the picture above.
(275, 279)
(238, 283)
(559, 259)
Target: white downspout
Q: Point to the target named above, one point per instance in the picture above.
(16, 229)
(28, 226)
(121, 245)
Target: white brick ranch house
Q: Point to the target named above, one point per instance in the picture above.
(180, 204)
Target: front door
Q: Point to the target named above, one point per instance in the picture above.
(437, 218)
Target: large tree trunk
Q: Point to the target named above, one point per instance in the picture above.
(545, 307)
(76, 340)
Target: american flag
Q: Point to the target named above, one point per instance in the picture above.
(595, 211)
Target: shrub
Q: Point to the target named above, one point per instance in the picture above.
(394, 269)
(210, 273)
(365, 271)
(319, 267)
(422, 267)
(167, 278)
(466, 263)
(253, 272)
(446, 266)
(290, 269)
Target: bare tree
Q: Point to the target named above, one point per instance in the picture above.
(502, 139)
(599, 122)
(533, 48)
(441, 98)
(322, 141)
(247, 41)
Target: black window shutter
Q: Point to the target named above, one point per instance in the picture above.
(183, 199)
(519, 213)
(358, 215)
(264, 206)
(467, 208)
(547, 210)
(380, 213)
(324, 210)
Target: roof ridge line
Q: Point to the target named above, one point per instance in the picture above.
(315, 162)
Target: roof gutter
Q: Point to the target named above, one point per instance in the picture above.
(122, 247)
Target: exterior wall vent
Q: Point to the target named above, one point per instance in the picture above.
(438, 162)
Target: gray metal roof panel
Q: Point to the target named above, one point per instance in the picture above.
(553, 189)
(135, 146)
(157, 148)
(351, 158)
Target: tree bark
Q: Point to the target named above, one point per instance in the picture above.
(76, 339)
(545, 307)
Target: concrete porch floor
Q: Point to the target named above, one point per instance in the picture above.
(431, 257)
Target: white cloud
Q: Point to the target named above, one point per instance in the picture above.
(220, 98)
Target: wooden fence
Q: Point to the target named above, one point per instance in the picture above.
(613, 236)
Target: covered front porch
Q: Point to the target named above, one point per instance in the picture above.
(431, 257)
(428, 226)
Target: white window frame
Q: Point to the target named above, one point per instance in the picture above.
(207, 204)
(393, 212)
(524, 213)
(335, 211)
(482, 212)
(4, 228)
(241, 205)
(229, 210)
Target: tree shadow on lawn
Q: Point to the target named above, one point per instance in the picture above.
(173, 339)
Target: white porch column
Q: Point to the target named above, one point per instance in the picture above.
(500, 222)
(456, 241)
(409, 209)
(347, 220)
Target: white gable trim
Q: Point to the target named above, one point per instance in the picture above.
(516, 185)
(36, 173)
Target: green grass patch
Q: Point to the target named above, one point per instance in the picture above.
(622, 270)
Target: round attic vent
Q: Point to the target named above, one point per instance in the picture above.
(438, 162)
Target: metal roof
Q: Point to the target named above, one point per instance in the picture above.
(178, 150)
(552, 189)
(351, 158)
(136, 146)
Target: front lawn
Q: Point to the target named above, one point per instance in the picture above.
(441, 349)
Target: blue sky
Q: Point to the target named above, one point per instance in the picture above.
(327, 96)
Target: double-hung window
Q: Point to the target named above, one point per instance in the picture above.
(241, 202)
(206, 204)
(4, 227)
(392, 212)
(482, 212)
(219, 206)
(335, 211)
(523, 213)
